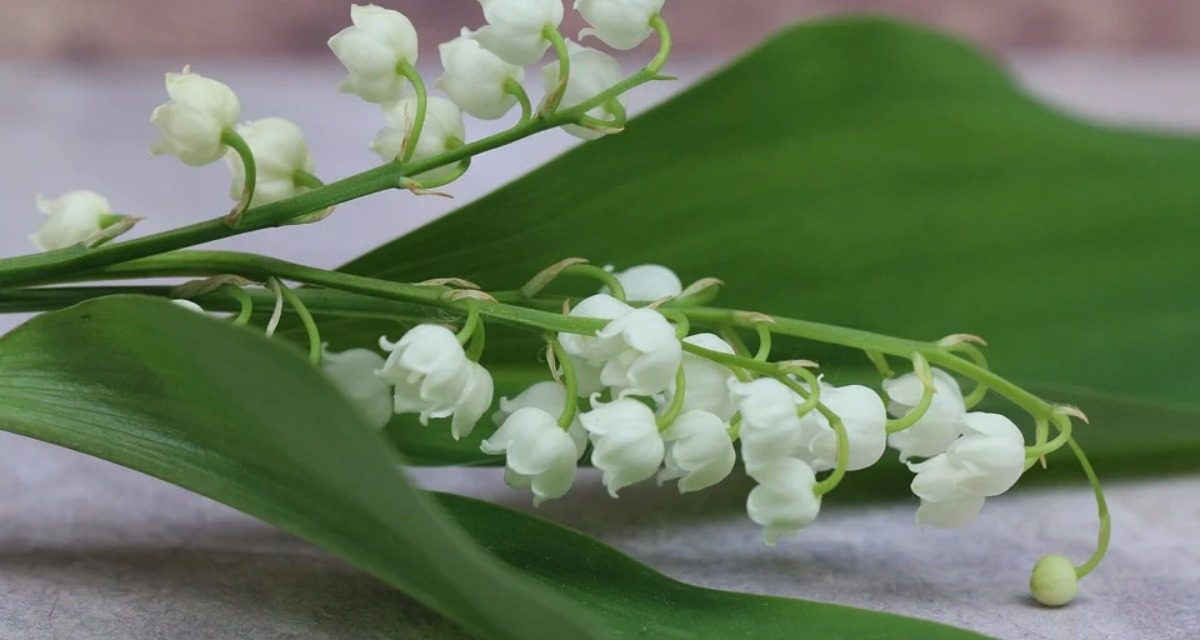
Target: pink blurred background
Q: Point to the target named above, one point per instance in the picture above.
(105, 29)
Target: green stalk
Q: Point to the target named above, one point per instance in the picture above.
(233, 140)
(414, 134)
(306, 318)
(570, 381)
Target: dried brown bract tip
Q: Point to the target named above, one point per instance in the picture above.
(547, 275)
(456, 283)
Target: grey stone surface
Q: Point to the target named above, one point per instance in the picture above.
(89, 550)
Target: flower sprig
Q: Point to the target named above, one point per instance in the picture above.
(643, 375)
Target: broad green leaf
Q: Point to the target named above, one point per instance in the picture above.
(638, 602)
(876, 175)
(248, 422)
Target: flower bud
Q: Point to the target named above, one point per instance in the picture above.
(592, 73)
(699, 451)
(371, 50)
(620, 24)
(442, 131)
(192, 122)
(280, 152)
(353, 373)
(515, 30)
(627, 445)
(475, 78)
(72, 218)
(1054, 581)
(540, 456)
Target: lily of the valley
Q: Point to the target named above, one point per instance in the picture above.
(942, 422)
(551, 398)
(771, 429)
(783, 502)
(442, 131)
(353, 373)
(476, 79)
(699, 451)
(192, 122)
(865, 420)
(539, 455)
(372, 51)
(620, 24)
(592, 73)
(707, 381)
(986, 461)
(516, 28)
(648, 283)
(433, 378)
(636, 353)
(71, 219)
(627, 446)
(280, 153)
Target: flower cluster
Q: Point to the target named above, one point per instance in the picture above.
(648, 402)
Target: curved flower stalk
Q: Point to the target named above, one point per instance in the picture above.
(642, 374)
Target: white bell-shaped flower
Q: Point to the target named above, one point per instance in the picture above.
(592, 73)
(475, 400)
(429, 371)
(648, 283)
(770, 429)
(353, 373)
(476, 79)
(699, 451)
(646, 353)
(192, 122)
(620, 24)
(862, 414)
(942, 422)
(550, 397)
(372, 50)
(986, 461)
(516, 28)
(540, 456)
(707, 381)
(601, 307)
(71, 219)
(280, 152)
(991, 454)
(442, 131)
(943, 502)
(783, 502)
(626, 443)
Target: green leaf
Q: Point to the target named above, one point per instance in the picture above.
(246, 421)
(234, 417)
(876, 175)
(638, 602)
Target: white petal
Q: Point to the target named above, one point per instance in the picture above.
(353, 373)
(649, 282)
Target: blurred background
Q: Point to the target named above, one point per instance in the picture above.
(91, 30)
(79, 78)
